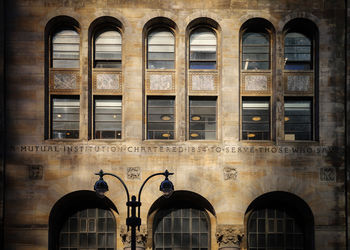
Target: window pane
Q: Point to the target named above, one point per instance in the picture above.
(298, 119)
(161, 49)
(255, 51)
(179, 232)
(108, 50)
(160, 118)
(255, 119)
(76, 237)
(202, 49)
(108, 118)
(297, 51)
(65, 49)
(65, 118)
(202, 118)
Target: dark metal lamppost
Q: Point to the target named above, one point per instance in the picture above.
(134, 221)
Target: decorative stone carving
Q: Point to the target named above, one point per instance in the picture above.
(134, 173)
(256, 83)
(328, 174)
(203, 82)
(298, 83)
(107, 81)
(65, 81)
(229, 237)
(35, 172)
(160, 82)
(230, 173)
(141, 237)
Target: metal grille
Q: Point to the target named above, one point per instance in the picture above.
(274, 229)
(91, 228)
(180, 229)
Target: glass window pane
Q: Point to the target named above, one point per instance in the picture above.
(160, 116)
(255, 51)
(203, 49)
(108, 118)
(161, 49)
(65, 118)
(255, 119)
(297, 51)
(298, 119)
(65, 49)
(108, 50)
(202, 118)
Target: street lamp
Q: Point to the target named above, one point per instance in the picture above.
(134, 221)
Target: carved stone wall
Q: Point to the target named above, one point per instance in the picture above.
(141, 237)
(229, 237)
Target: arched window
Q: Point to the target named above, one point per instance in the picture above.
(181, 228)
(255, 50)
(300, 76)
(108, 49)
(160, 49)
(202, 49)
(92, 228)
(297, 51)
(275, 228)
(62, 69)
(65, 49)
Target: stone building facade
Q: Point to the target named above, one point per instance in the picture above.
(245, 101)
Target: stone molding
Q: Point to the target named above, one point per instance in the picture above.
(229, 236)
(141, 237)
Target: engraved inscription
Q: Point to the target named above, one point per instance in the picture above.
(107, 81)
(328, 174)
(35, 172)
(203, 82)
(255, 83)
(298, 83)
(65, 81)
(160, 82)
(230, 173)
(134, 173)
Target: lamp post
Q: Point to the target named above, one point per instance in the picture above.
(134, 220)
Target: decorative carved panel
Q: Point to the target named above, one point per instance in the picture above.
(64, 81)
(256, 83)
(134, 173)
(328, 174)
(35, 172)
(230, 173)
(160, 82)
(203, 82)
(229, 236)
(105, 82)
(298, 83)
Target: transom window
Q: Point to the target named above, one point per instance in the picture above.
(256, 51)
(274, 229)
(91, 228)
(65, 117)
(108, 50)
(65, 49)
(181, 228)
(161, 49)
(203, 49)
(108, 118)
(160, 117)
(297, 51)
(202, 118)
(255, 118)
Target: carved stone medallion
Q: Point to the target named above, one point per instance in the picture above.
(230, 173)
(328, 174)
(229, 236)
(134, 173)
(141, 237)
(35, 172)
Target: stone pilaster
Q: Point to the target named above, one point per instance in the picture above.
(229, 237)
(141, 237)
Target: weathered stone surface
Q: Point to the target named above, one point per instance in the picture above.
(255, 83)
(107, 81)
(161, 82)
(65, 81)
(298, 83)
(203, 82)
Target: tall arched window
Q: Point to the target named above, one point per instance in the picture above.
(92, 228)
(181, 228)
(63, 78)
(160, 49)
(300, 80)
(107, 85)
(256, 35)
(202, 49)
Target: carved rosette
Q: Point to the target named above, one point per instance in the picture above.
(229, 237)
(141, 237)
